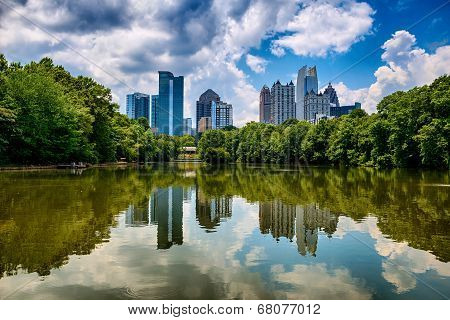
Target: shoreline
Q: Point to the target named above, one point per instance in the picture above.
(55, 166)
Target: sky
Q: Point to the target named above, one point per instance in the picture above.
(366, 49)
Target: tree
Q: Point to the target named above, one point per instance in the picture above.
(211, 147)
(293, 137)
(434, 143)
(316, 141)
(143, 122)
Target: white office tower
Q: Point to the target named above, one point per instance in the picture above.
(307, 80)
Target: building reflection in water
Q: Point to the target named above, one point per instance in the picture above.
(166, 210)
(137, 215)
(211, 211)
(305, 222)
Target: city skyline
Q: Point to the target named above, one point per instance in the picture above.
(367, 49)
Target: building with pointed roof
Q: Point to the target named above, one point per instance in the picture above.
(264, 105)
(282, 103)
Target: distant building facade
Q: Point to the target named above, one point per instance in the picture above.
(334, 100)
(187, 127)
(221, 114)
(138, 105)
(307, 80)
(282, 105)
(316, 106)
(264, 105)
(170, 106)
(154, 107)
(204, 124)
(204, 105)
(343, 110)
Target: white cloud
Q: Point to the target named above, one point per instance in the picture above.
(348, 96)
(406, 67)
(202, 40)
(257, 64)
(323, 27)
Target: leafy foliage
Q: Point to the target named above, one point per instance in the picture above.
(411, 129)
(48, 116)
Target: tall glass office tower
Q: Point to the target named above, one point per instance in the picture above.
(306, 81)
(204, 104)
(155, 99)
(169, 109)
(138, 105)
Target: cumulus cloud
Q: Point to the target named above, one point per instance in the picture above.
(406, 66)
(257, 64)
(323, 27)
(204, 40)
(348, 96)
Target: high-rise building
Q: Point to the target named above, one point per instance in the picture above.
(282, 106)
(170, 107)
(204, 104)
(307, 80)
(204, 124)
(316, 106)
(221, 114)
(154, 107)
(334, 100)
(264, 105)
(187, 126)
(138, 105)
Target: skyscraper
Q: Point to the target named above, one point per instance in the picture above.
(264, 105)
(155, 99)
(282, 106)
(306, 81)
(169, 111)
(138, 105)
(221, 114)
(334, 100)
(316, 106)
(187, 126)
(204, 104)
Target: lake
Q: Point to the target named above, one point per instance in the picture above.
(189, 231)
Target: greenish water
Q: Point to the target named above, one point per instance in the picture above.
(192, 232)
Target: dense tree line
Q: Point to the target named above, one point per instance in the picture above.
(410, 129)
(48, 116)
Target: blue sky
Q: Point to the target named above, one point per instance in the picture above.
(235, 46)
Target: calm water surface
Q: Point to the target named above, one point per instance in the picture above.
(192, 232)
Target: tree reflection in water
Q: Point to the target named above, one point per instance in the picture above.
(45, 216)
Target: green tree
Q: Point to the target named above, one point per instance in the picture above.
(434, 143)
(211, 147)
